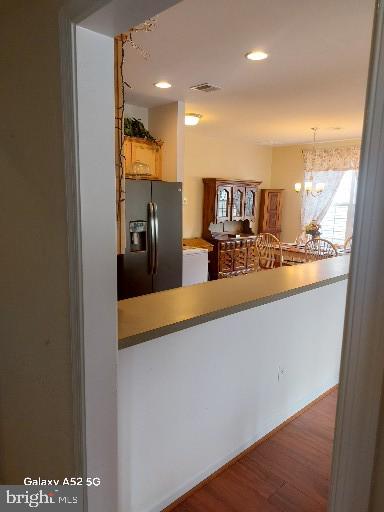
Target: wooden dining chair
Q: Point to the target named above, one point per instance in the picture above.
(348, 244)
(318, 249)
(269, 251)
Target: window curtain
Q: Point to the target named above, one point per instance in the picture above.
(352, 204)
(326, 165)
(315, 208)
(344, 158)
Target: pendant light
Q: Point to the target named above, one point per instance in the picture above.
(309, 187)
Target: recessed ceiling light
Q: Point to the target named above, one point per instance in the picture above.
(163, 85)
(192, 119)
(256, 55)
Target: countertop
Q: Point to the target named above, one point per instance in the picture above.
(197, 243)
(151, 316)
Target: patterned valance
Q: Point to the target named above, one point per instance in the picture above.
(332, 159)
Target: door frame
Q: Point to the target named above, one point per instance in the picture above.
(362, 362)
(92, 373)
(362, 368)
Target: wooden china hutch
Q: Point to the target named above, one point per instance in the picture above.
(270, 211)
(229, 213)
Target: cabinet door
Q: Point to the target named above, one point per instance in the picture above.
(250, 203)
(273, 205)
(127, 152)
(238, 197)
(240, 257)
(223, 203)
(143, 152)
(252, 256)
(225, 258)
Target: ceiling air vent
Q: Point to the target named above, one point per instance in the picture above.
(205, 87)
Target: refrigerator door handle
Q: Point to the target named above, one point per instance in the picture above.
(151, 239)
(156, 238)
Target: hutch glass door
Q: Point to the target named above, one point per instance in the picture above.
(223, 203)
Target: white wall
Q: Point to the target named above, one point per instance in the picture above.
(97, 189)
(192, 400)
(209, 157)
(137, 112)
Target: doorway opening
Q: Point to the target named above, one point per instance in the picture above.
(228, 122)
(137, 239)
(234, 170)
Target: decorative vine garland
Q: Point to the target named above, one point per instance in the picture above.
(120, 42)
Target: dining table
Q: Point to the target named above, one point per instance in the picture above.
(294, 253)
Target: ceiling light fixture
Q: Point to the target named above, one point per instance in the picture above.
(163, 85)
(192, 119)
(309, 186)
(256, 55)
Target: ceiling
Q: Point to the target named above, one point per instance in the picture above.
(315, 75)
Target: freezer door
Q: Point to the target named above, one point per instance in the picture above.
(133, 268)
(168, 200)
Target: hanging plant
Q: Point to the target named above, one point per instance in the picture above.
(134, 128)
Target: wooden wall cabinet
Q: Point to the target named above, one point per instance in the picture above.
(270, 211)
(225, 201)
(228, 200)
(147, 152)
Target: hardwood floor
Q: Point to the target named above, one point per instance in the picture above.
(289, 472)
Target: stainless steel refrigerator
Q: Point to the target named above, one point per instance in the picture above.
(153, 257)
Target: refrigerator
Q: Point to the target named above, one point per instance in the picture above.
(153, 256)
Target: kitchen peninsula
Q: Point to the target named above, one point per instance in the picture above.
(180, 308)
(220, 372)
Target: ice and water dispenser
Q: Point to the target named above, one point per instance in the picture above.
(138, 236)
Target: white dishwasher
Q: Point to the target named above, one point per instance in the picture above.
(195, 266)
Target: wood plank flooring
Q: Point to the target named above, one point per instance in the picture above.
(289, 472)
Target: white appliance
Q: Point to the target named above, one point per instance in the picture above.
(195, 266)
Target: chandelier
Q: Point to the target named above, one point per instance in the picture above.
(309, 186)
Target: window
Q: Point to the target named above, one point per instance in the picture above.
(337, 223)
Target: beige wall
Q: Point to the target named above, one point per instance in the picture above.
(287, 169)
(36, 434)
(207, 156)
(277, 167)
(166, 122)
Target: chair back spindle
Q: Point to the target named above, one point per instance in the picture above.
(269, 251)
(318, 249)
(348, 244)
